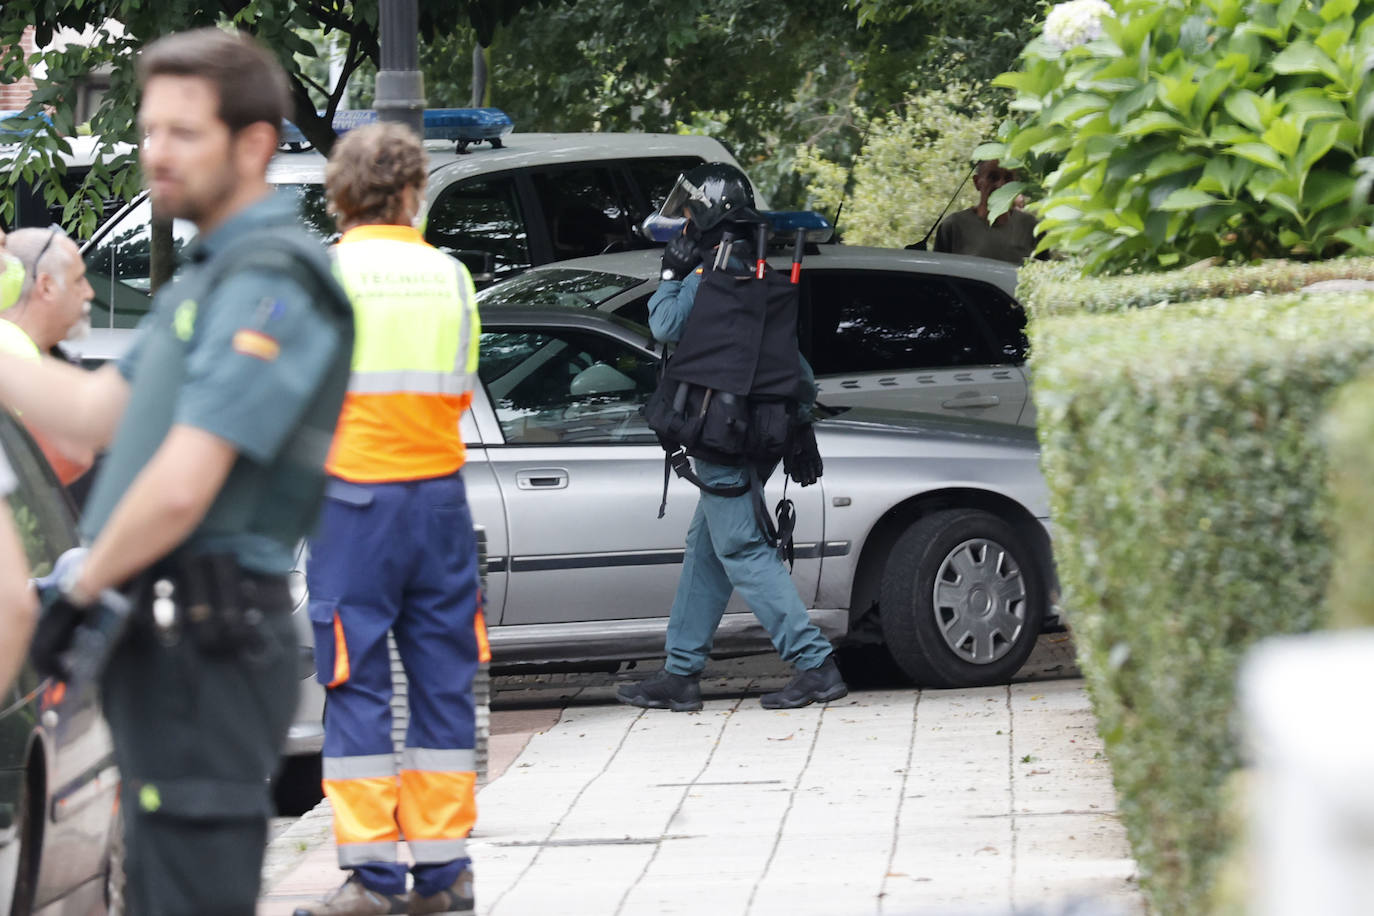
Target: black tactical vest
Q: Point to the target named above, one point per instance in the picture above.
(730, 388)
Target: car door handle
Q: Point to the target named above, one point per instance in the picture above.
(542, 479)
(975, 400)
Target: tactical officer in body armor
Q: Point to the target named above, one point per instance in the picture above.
(221, 417)
(727, 546)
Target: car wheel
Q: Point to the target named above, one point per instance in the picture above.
(298, 788)
(962, 599)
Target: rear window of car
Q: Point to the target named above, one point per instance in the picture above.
(558, 286)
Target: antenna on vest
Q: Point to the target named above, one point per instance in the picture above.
(921, 245)
(798, 249)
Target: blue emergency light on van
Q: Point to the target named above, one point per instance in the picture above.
(783, 223)
(14, 128)
(464, 126)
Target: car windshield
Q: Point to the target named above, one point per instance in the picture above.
(558, 286)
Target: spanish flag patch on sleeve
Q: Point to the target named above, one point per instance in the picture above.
(254, 343)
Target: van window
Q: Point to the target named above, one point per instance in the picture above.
(120, 264)
(656, 177)
(479, 222)
(585, 212)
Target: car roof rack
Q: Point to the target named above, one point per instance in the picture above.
(461, 126)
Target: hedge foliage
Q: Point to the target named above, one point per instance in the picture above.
(1350, 435)
(1178, 130)
(1186, 470)
(1048, 288)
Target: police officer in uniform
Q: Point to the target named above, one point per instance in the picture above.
(726, 545)
(221, 417)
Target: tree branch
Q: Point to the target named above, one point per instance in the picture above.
(352, 59)
(337, 20)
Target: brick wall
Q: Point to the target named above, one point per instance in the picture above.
(15, 96)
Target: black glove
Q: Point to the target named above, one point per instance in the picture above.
(679, 258)
(803, 460)
(56, 628)
(74, 642)
(54, 635)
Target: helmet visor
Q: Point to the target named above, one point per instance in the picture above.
(679, 200)
(672, 217)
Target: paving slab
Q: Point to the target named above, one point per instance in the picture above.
(986, 801)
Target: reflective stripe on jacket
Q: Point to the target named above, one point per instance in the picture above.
(414, 357)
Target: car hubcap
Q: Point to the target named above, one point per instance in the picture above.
(980, 601)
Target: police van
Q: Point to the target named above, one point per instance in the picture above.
(500, 201)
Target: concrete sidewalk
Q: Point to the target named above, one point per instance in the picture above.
(982, 801)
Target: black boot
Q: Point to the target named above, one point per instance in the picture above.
(665, 690)
(814, 685)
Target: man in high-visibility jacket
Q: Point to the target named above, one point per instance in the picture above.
(394, 549)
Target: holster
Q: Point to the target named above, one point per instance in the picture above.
(217, 605)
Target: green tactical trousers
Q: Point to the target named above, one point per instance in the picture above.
(197, 738)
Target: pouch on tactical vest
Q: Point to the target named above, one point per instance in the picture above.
(729, 390)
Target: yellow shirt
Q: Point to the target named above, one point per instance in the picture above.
(15, 342)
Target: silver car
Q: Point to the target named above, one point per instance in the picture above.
(928, 534)
(906, 330)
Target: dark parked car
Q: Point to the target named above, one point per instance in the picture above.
(58, 781)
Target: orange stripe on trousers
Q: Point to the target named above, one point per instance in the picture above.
(437, 806)
(364, 809)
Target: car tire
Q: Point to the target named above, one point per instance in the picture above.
(297, 788)
(962, 599)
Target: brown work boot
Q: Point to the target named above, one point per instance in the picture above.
(454, 900)
(353, 898)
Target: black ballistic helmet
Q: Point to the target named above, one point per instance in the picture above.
(713, 193)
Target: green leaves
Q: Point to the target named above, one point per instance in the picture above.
(1274, 95)
(1184, 449)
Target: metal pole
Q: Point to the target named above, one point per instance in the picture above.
(400, 92)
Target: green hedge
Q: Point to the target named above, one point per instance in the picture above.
(1048, 288)
(1350, 434)
(1186, 473)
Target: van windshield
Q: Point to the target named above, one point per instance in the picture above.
(119, 261)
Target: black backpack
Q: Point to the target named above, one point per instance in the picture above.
(730, 389)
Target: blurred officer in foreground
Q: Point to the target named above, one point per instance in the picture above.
(18, 608)
(54, 304)
(221, 416)
(727, 547)
(395, 549)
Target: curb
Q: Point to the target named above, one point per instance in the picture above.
(285, 852)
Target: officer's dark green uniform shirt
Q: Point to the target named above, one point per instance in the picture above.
(245, 361)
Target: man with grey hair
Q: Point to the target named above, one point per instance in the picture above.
(54, 304)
